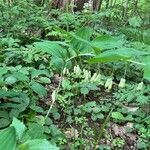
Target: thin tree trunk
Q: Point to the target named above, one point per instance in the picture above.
(125, 12)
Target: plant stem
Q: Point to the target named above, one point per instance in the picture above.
(102, 129)
(57, 90)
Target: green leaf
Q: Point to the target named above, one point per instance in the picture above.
(107, 57)
(36, 73)
(39, 89)
(66, 84)
(10, 80)
(8, 139)
(36, 108)
(51, 48)
(36, 131)
(37, 145)
(84, 90)
(116, 55)
(19, 126)
(107, 42)
(58, 63)
(20, 76)
(4, 122)
(81, 40)
(44, 80)
(117, 115)
(3, 71)
(135, 21)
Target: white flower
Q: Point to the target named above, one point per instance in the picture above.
(122, 83)
(94, 77)
(108, 82)
(140, 86)
(110, 85)
(77, 70)
(98, 78)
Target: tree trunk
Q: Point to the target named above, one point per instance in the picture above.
(125, 10)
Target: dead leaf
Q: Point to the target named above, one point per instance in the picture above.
(71, 132)
(132, 109)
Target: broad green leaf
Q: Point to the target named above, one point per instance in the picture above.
(81, 40)
(8, 139)
(39, 89)
(116, 55)
(37, 145)
(58, 63)
(107, 42)
(19, 126)
(107, 57)
(117, 115)
(85, 33)
(51, 48)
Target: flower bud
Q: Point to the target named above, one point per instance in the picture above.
(122, 83)
(74, 69)
(64, 71)
(94, 77)
(140, 86)
(108, 82)
(77, 70)
(98, 78)
(110, 85)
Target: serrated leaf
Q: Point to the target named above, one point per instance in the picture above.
(135, 21)
(8, 139)
(117, 115)
(19, 126)
(39, 89)
(44, 80)
(36, 108)
(20, 76)
(10, 80)
(66, 84)
(36, 73)
(36, 131)
(84, 90)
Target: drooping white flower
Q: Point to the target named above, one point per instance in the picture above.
(110, 85)
(140, 86)
(122, 83)
(108, 82)
(93, 77)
